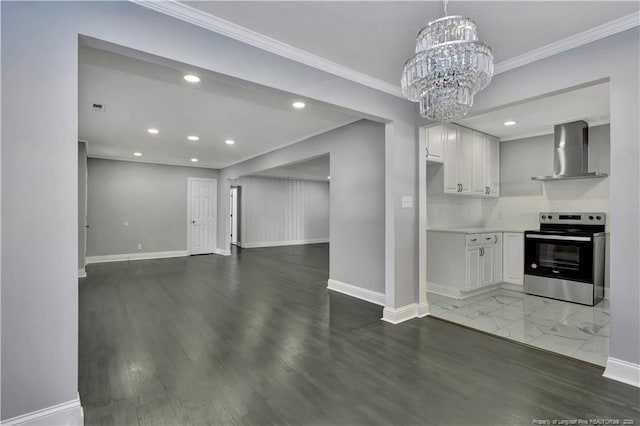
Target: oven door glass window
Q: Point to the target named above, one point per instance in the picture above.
(556, 256)
(565, 260)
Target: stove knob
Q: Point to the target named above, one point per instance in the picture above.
(543, 217)
(591, 217)
(550, 217)
(598, 217)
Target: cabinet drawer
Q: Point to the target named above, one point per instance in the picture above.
(489, 238)
(474, 239)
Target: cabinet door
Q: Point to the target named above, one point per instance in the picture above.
(497, 271)
(513, 258)
(479, 160)
(487, 264)
(465, 157)
(451, 160)
(492, 166)
(435, 143)
(473, 267)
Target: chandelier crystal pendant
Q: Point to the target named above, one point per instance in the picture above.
(450, 66)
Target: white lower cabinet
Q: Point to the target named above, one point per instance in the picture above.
(472, 265)
(460, 263)
(513, 258)
(482, 262)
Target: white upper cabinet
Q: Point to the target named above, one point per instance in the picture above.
(458, 157)
(465, 154)
(434, 143)
(492, 166)
(471, 159)
(480, 164)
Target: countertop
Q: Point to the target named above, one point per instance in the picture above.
(481, 230)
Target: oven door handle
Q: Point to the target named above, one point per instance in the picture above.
(557, 237)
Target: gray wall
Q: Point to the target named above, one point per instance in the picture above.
(581, 66)
(40, 41)
(82, 202)
(150, 198)
(357, 195)
(522, 158)
(283, 210)
(521, 198)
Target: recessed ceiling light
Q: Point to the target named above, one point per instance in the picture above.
(137, 154)
(329, 177)
(299, 104)
(194, 160)
(192, 78)
(509, 123)
(229, 141)
(193, 138)
(153, 131)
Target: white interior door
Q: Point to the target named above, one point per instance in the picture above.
(202, 215)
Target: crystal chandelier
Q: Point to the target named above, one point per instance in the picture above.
(449, 67)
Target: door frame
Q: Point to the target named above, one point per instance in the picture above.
(214, 209)
(238, 216)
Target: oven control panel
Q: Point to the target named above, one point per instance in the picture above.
(597, 218)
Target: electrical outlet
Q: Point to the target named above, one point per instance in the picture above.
(139, 246)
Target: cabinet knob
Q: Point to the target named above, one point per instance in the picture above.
(427, 149)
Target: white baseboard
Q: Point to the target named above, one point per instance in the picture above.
(284, 243)
(223, 252)
(623, 371)
(136, 256)
(396, 316)
(422, 310)
(443, 290)
(480, 290)
(512, 287)
(458, 293)
(82, 273)
(66, 414)
(357, 292)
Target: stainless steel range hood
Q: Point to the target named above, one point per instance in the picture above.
(571, 154)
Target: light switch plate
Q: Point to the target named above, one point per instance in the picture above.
(407, 202)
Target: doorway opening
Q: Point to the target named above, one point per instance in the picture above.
(235, 200)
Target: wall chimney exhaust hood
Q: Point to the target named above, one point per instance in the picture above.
(571, 154)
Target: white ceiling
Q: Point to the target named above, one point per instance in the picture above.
(313, 169)
(139, 95)
(537, 117)
(377, 37)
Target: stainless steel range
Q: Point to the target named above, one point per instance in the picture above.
(564, 259)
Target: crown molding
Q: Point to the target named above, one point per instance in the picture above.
(229, 29)
(571, 42)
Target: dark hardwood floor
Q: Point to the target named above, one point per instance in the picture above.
(256, 338)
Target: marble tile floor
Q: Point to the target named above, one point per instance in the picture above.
(577, 331)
